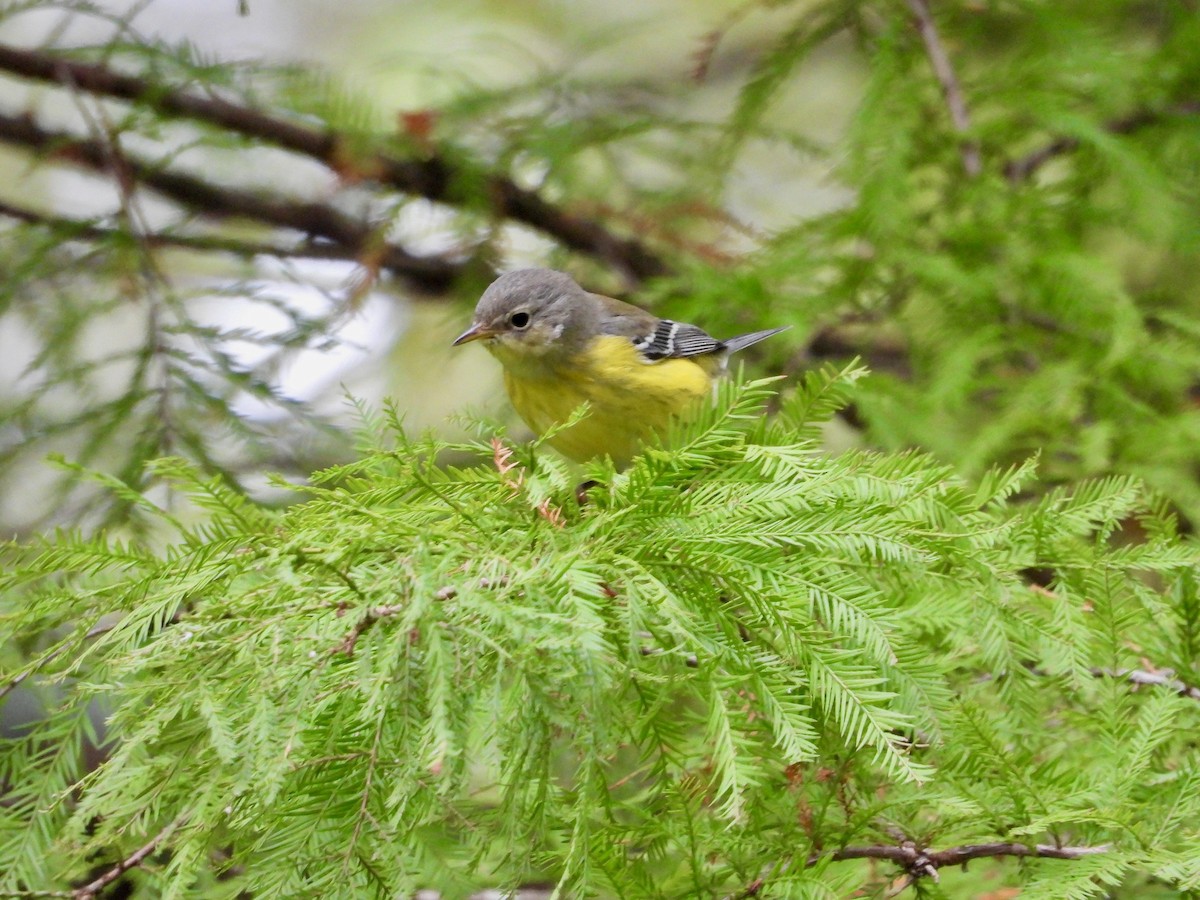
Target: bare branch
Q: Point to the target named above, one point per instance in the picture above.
(352, 238)
(434, 177)
(135, 859)
(69, 229)
(951, 90)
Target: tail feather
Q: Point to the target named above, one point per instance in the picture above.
(742, 341)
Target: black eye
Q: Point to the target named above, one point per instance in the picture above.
(519, 320)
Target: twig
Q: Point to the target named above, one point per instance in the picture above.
(1022, 168)
(435, 177)
(135, 859)
(154, 286)
(69, 228)
(913, 858)
(951, 90)
(1164, 678)
(365, 800)
(352, 238)
(702, 57)
(691, 661)
(1142, 676)
(371, 616)
(17, 680)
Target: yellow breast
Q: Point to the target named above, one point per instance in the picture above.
(628, 397)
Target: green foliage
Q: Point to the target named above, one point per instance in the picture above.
(727, 670)
(739, 652)
(1042, 306)
(1046, 312)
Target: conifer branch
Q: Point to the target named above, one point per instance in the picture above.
(68, 228)
(17, 680)
(910, 856)
(349, 238)
(1023, 167)
(132, 861)
(922, 863)
(372, 765)
(434, 177)
(951, 89)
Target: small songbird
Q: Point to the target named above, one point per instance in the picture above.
(562, 347)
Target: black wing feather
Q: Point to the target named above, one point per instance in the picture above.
(671, 340)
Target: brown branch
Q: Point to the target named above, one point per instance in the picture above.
(435, 178)
(951, 90)
(1022, 168)
(352, 238)
(135, 859)
(69, 228)
(913, 858)
(920, 863)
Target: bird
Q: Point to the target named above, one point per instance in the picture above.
(562, 346)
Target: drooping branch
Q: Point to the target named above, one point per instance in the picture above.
(951, 89)
(350, 238)
(40, 663)
(68, 228)
(434, 177)
(135, 859)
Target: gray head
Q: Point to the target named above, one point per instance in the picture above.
(532, 312)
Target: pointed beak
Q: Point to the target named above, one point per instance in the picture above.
(475, 333)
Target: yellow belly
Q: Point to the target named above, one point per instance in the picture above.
(628, 398)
